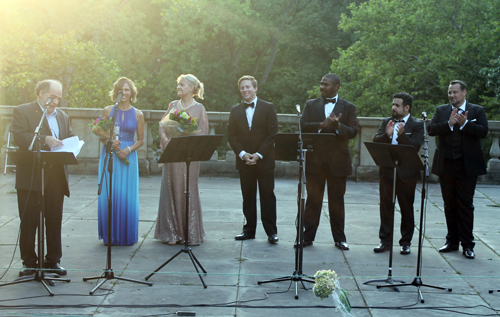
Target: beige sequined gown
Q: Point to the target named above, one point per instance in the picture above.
(170, 226)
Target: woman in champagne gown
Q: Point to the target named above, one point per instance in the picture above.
(125, 196)
(170, 226)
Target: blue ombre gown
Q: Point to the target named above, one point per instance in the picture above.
(125, 199)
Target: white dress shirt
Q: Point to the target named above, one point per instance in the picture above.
(329, 106)
(52, 120)
(461, 109)
(396, 129)
(250, 111)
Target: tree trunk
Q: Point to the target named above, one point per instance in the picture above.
(261, 55)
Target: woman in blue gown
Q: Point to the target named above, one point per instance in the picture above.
(125, 197)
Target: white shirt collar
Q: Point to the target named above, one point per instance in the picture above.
(462, 107)
(406, 118)
(254, 102)
(336, 97)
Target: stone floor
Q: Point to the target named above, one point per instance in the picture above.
(234, 267)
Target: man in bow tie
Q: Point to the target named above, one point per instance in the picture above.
(328, 114)
(252, 128)
(458, 162)
(401, 128)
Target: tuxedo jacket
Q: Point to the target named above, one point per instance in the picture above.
(24, 122)
(313, 115)
(413, 135)
(472, 133)
(258, 139)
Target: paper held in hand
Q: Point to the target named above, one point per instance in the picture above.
(72, 144)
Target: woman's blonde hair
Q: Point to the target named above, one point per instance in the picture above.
(118, 85)
(193, 81)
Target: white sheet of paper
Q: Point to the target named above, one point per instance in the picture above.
(73, 145)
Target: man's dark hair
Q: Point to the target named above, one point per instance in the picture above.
(407, 98)
(333, 77)
(463, 86)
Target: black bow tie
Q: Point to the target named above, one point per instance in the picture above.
(249, 105)
(398, 121)
(332, 100)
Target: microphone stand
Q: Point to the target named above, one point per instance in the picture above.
(108, 273)
(297, 275)
(40, 274)
(417, 282)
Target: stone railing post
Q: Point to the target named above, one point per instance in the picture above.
(493, 175)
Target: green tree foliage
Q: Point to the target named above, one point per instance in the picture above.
(419, 46)
(286, 44)
(34, 49)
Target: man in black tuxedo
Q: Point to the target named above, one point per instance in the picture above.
(252, 128)
(458, 162)
(55, 127)
(401, 128)
(328, 114)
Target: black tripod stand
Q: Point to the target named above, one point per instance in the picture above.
(417, 281)
(25, 159)
(287, 146)
(108, 273)
(188, 149)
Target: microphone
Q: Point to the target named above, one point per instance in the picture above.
(298, 108)
(47, 102)
(424, 114)
(120, 95)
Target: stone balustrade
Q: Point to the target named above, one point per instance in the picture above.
(222, 164)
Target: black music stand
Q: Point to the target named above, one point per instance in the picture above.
(417, 281)
(188, 149)
(393, 156)
(291, 147)
(26, 159)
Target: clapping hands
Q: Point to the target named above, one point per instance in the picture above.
(455, 117)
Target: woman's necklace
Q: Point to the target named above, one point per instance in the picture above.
(187, 106)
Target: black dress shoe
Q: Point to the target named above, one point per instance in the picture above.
(342, 245)
(469, 253)
(27, 270)
(273, 238)
(244, 236)
(448, 247)
(405, 249)
(55, 268)
(305, 244)
(382, 248)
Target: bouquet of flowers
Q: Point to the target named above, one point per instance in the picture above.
(179, 122)
(102, 127)
(327, 284)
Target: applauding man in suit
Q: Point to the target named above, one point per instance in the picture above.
(458, 162)
(329, 114)
(55, 127)
(252, 128)
(401, 128)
